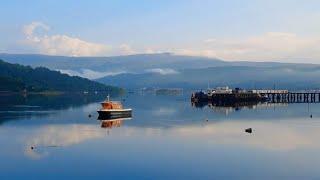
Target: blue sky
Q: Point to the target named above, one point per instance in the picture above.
(255, 30)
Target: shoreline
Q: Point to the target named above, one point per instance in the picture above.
(53, 93)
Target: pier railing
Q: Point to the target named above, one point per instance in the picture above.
(293, 97)
(275, 96)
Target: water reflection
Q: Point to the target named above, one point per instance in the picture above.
(227, 108)
(52, 136)
(275, 136)
(14, 107)
(169, 135)
(280, 136)
(113, 123)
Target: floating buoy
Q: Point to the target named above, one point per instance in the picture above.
(32, 147)
(89, 115)
(248, 130)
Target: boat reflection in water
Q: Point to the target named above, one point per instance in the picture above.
(112, 123)
(112, 114)
(226, 108)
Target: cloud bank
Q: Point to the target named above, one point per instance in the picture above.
(162, 71)
(37, 36)
(90, 74)
(60, 44)
(270, 46)
(266, 47)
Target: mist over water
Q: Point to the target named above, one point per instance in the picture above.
(167, 138)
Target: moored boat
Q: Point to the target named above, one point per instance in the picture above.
(113, 109)
(225, 95)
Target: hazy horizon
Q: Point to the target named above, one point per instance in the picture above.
(169, 53)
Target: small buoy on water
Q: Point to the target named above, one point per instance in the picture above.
(89, 115)
(249, 130)
(32, 147)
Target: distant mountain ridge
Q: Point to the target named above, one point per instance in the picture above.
(169, 70)
(98, 67)
(133, 62)
(15, 77)
(159, 60)
(293, 77)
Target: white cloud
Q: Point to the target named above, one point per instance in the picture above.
(90, 74)
(29, 29)
(165, 71)
(149, 51)
(266, 47)
(65, 45)
(197, 52)
(271, 46)
(210, 40)
(38, 38)
(126, 49)
(69, 46)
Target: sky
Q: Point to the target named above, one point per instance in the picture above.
(232, 30)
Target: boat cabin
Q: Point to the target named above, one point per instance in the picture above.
(111, 105)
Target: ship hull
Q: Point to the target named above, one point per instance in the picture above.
(111, 114)
(228, 98)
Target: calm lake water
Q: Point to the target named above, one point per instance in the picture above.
(167, 138)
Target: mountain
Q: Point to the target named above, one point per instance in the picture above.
(169, 70)
(15, 77)
(95, 67)
(287, 77)
(98, 67)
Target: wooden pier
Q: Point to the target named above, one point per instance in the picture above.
(274, 96)
(293, 97)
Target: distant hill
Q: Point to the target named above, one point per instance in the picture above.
(98, 67)
(291, 77)
(169, 70)
(130, 63)
(15, 77)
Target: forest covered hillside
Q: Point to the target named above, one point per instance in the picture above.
(15, 77)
